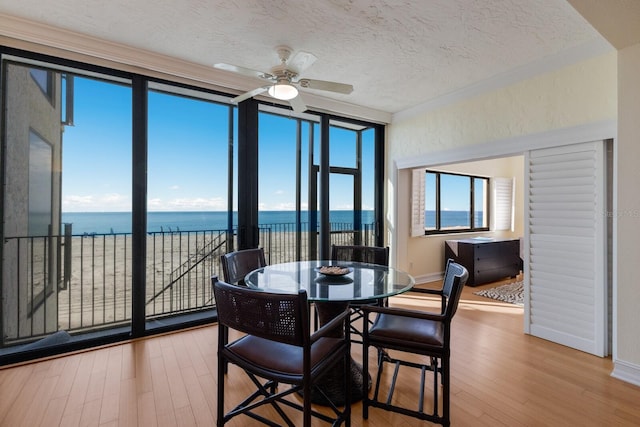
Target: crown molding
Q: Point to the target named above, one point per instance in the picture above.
(591, 49)
(86, 48)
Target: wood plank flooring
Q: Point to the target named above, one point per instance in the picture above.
(500, 377)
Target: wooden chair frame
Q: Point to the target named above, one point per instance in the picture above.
(416, 332)
(278, 348)
(368, 254)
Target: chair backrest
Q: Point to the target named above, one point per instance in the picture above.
(454, 280)
(369, 254)
(272, 316)
(237, 264)
(447, 281)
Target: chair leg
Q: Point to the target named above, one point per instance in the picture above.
(306, 403)
(225, 338)
(346, 413)
(445, 392)
(365, 369)
(222, 366)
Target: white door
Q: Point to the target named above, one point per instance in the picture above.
(565, 254)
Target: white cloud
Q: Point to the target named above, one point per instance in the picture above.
(196, 204)
(71, 201)
(154, 204)
(343, 207)
(284, 207)
(114, 202)
(114, 198)
(110, 202)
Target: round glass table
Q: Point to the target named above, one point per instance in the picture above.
(331, 294)
(362, 282)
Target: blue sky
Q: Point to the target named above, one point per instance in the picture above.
(187, 155)
(454, 196)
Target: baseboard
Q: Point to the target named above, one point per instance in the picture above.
(626, 371)
(431, 277)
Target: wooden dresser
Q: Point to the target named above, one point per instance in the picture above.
(486, 259)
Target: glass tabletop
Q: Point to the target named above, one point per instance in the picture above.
(361, 282)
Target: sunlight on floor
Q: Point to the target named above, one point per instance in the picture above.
(422, 302)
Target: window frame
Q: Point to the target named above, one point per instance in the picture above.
(438, 209)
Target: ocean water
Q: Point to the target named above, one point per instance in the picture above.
(451, 219)
(120, 222)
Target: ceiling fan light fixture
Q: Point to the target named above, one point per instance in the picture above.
(283, 90)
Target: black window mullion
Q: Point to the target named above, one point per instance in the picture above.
(437, 213)
(379, 184)
(357, 192)
(230, 180)
(471, 208)
(298, 256)
(248, 235)
(139, 205)
(325, 225)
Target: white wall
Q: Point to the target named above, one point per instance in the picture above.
(627, 218)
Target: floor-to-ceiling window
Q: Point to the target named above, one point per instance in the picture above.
(120, 193)
(67, 191)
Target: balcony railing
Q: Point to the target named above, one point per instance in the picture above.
(81, 283)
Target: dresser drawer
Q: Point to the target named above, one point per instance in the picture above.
(486, 261)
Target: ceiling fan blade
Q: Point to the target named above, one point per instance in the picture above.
(301, 61)
(298, 104)
(249, 94)
(325, 85)
(244, 71)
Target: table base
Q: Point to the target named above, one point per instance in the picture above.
(332, 383)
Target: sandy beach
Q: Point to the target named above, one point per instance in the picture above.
(83, 283)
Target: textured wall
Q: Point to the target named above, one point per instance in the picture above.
(578, 94)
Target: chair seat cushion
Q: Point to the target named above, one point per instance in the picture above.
(280, 358)
(407, 331)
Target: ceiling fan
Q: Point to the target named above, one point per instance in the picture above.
(284, 77)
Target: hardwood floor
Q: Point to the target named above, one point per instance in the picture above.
(500, 377)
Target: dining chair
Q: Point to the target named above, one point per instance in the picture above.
(409, 331)
(368, 254)
(237, 264)
(278, 347)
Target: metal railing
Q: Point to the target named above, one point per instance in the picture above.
(82, 283)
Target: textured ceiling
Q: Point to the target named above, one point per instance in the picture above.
(396, 53)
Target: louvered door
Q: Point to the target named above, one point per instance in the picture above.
(566, 252)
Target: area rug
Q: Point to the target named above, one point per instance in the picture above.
(511, 292)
